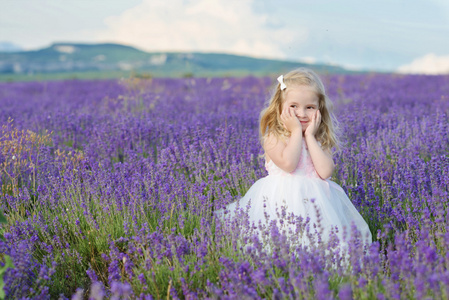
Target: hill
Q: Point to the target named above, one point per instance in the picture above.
(114, 60)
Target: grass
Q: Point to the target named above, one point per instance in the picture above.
(101, 75)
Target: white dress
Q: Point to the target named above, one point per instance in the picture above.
(303, 193)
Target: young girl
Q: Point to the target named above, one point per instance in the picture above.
(298, 133)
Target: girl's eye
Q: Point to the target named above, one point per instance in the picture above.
(294, 106)
(311, 107)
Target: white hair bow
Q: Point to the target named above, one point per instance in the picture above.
(281, 81)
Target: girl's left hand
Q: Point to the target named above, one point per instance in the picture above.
(312, 129)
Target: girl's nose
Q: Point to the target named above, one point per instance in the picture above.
(300, 113)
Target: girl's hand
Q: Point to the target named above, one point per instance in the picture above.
(289, 120)
(312, 129)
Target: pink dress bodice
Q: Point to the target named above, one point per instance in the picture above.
(305, 166)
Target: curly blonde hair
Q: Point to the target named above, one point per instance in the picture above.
(270, 122)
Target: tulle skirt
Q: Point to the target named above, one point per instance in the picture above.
(322, 205)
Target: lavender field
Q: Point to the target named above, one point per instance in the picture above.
(109, 189)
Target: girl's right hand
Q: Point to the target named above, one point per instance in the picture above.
(290, 121)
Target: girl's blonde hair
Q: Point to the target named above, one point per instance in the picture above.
(270, 117)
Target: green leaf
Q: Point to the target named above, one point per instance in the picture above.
(8, 264)
(2, 221)
(2, 292)
(2, 218)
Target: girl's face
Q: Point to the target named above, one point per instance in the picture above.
(303, 101)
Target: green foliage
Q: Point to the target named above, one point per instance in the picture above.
(8, 264)
(188, 75)
(8, 261)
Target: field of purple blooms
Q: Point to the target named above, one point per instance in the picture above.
(109, 188)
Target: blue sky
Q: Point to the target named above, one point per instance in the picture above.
(395, 35)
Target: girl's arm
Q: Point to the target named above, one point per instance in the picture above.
(286, 156)
(322, 159)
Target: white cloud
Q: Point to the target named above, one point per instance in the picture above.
(200, 25)
(308, 59)
(428, 64)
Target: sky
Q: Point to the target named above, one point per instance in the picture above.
(408, 36)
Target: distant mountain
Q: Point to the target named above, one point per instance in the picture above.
(70, 57)
(9, 47)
